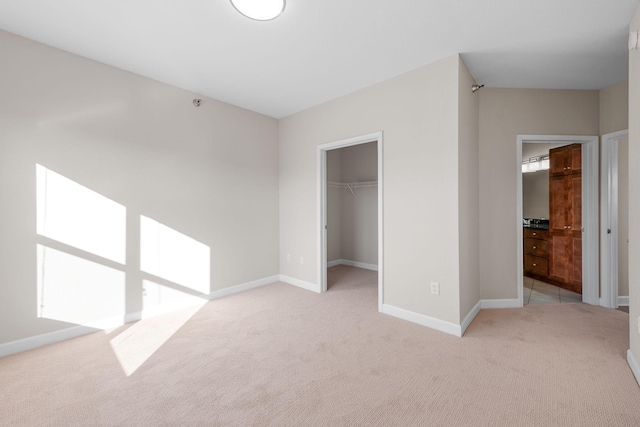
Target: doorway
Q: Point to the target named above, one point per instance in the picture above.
(323, 183)
(614, 257)
(589, 218)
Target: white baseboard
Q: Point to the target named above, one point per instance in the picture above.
(243, 287)
(633, 364)
(470, 316)
(359, 264)
(300, 283)
(421, 319)
(350, 263)
(623, 301)
(29, 343)
(500, 303)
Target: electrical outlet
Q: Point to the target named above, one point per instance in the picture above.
(301, 260)
(288, 257)
(639, 324)
(435, 288)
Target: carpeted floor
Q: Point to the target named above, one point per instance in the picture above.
(282, 356)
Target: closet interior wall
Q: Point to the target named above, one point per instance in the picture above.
(352, 218)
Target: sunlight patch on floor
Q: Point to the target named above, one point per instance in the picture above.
(135, 345)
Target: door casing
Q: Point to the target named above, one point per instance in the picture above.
(322, 207)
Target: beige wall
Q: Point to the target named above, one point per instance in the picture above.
(209, 173)
(614, 108)
(634, 194)
(468, 191)
(504, 114)
(418, 112)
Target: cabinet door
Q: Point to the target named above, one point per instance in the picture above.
(557, 161)
(574, 158)
(575, 270)
(565, 225)
(574, 194)
(557, 203)
(565, 160)
(560, 256)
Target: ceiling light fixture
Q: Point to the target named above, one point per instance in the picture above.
(476, 88)
(260, 10)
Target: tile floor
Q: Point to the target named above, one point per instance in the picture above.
(537, 292)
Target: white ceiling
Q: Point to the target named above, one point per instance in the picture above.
(321, 49)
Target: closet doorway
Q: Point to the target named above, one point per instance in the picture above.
(350, 206)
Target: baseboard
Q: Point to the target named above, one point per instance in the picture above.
(30, 343)
(623, 301)
(470, 316)
(334, 263)
(500, 303)
(421, 319)
(633, 364)
(243, 287)
(300, 283)
(359, 264)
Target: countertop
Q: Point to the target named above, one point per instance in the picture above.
(538, 226)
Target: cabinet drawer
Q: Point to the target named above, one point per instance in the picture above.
(536, 247)
(536, 264)
(536, 233)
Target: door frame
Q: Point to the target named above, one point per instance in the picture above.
(590, 212)
(609, 219)
(322, 207)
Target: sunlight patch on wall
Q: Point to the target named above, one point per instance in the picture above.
(173, 256)
(77, 216)
(141, 340)
(75, 290)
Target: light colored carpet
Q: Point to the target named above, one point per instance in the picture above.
(283, 356)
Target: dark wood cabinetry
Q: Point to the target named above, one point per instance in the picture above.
(536, 253)
(565, 222)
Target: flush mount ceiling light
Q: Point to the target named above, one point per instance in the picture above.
(260, 10)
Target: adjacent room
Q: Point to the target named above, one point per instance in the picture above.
(319, 213)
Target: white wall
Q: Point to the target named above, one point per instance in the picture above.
(634, 194)
(208, 173)
(418, 113)
(504, 114)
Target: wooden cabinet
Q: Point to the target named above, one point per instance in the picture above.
(536, 252)
(565, 160)
(565, 222)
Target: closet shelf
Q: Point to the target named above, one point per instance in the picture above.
(352, 185)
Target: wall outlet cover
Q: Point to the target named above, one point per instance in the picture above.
(435, 288)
